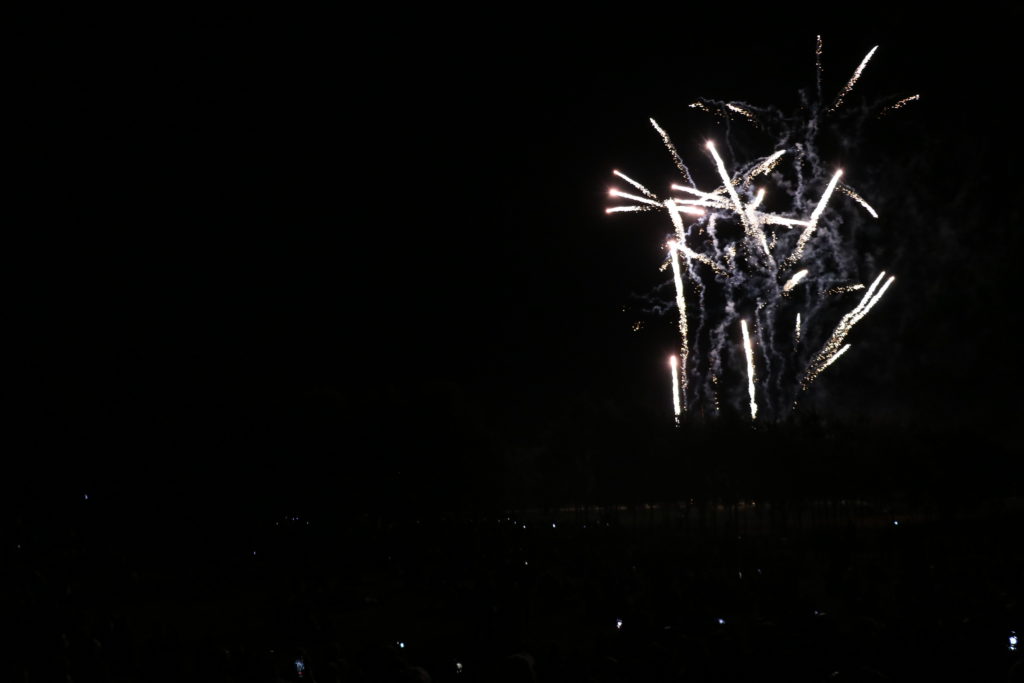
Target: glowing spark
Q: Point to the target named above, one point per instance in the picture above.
(619, 209)
(701, 106)
(684, 344)
(849, 192)
(750, 369)
(796, 336)
(795, 280)
(815, 215)
(674, 362)
(648, 193)
(635, 198)
(672, 150)
(853, 80)
(898, 105)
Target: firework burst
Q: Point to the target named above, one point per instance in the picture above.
(780, 266)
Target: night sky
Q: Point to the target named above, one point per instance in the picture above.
(268, 256)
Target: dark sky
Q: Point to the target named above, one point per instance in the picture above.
(271, 242)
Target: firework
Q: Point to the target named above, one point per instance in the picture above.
(684, 344)
(750, 369)
(853, 80)
(677, 407)
(748, 275)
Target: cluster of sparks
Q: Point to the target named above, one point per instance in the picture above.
(768, 247)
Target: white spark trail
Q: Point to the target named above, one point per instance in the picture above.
(750, 369)
(672, 150)
(617, 209)
(772, 219)
(765, 166)
(635, 198)
(647, 193)
(751, 228)
(849, 192)
(676, 406)
(815, 216)
(834, 358)
(684, 344)
(680, 243)
(708, 196)
(853, 80)
(794, 281)
(828, 352)
(796, 337)
(898, 105)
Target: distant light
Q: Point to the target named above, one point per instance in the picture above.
(721, 621)
(618, 624)
(896, 522)
(1013, 641)
(300, 667)
(458, 667)
(86, 496)
(526, 563)
(401, 645)
(553, 525)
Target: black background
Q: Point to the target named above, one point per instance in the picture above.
(275, 258)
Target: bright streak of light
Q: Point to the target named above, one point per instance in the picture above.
(619, 209)
(834, 358)
(757, 200)
(708, 196)
(815, 215)
(772, 219)
(750, 369)
(830, 351)
(676, 406)
(796, 335)
(684, 344)
(849, 192)
(853, 80)
(647, 193)
(635, 198)
(690, 209)
(672, 150)
(750, 227)
(677, 223)
(898, 105)
(795, 280)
